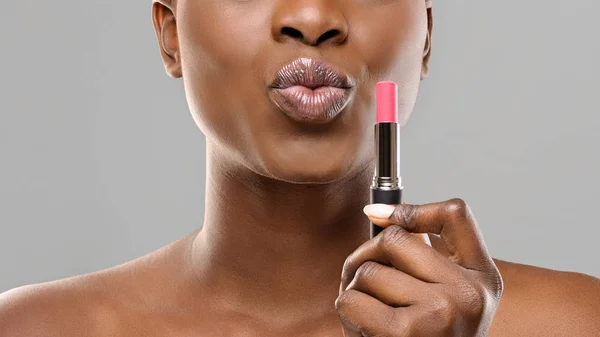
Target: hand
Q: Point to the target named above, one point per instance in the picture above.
(395, 285)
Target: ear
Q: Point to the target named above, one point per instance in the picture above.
(427, 49)
(165, 25)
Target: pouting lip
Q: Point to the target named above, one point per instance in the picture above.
(311, 73)
(312, 106)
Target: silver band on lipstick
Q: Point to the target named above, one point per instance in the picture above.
(387, 148)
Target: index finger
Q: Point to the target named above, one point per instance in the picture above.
(451, 219)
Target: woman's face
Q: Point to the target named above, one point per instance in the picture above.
(230, 51)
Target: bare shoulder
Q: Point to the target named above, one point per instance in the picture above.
(544, 302)
(118, 301)
(70, 307)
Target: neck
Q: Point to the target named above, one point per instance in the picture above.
(273, 247)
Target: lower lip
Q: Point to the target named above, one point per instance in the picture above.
(320, 105)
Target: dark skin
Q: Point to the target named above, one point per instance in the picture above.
(285, 247)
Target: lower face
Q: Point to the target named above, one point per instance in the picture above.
(231, 51)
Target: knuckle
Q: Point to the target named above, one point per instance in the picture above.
(392, 237)
(473, 299)
(366, 271)
(347, 268)
(347, 265)
(404, 215)
(443, 309)
(345, 306)
(345, 300)
(458, 208)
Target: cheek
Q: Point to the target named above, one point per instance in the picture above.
(218, 36)
(219, 43)
(391, 36)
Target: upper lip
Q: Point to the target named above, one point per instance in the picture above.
(311, 73)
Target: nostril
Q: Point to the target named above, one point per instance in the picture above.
(327, 35)
(335, 35)
(291, 32)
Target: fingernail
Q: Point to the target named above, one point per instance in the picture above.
(379, 210)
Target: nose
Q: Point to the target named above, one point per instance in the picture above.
(312, 22)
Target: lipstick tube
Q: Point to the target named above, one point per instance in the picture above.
(386, 187)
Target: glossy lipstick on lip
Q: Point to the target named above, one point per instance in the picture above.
(387, 183)
(311, 90)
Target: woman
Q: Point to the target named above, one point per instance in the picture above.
(285, 247)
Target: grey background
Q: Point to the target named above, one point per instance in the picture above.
(101, 161)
